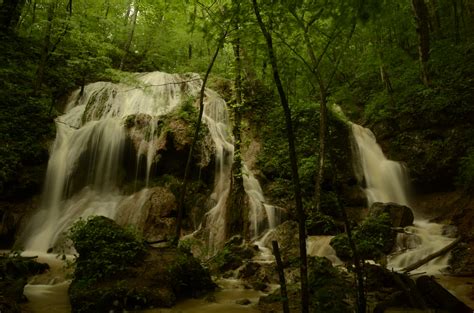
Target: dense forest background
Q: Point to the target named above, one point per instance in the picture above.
(386, 63)
(403, 68)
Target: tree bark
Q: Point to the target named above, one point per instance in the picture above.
(422, 21)
(293, 161)
(182, 196)
(236, 210)
(281, 276)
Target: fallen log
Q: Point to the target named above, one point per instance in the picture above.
(431, 256)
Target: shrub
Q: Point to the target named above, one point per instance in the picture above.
(105, 249)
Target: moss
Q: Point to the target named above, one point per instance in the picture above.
(374, 238)
(115, 271)
(328, 288)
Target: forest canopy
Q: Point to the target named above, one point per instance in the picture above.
(381, 61)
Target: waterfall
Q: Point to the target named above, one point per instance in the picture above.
(88, 162)
(385, 180)
(262, 216)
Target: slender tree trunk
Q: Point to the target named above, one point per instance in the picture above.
(236, 209)
(422, 21)
(322, 117)
(281, 276)
(69, 8)
(293, 161)
(184, 184)
(130, 38)
(322, 143)
(127, 14)
(107, 9)
(358, 262)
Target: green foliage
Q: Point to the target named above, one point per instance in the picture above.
(25, 122)
(187, 275)
(373, 239)
(105, 249)
(320, 224)
(328, 289)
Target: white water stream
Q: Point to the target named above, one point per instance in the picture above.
(386, 181)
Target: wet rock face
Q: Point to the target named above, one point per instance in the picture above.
(400, 215)
(167, 140)
(287, 236)
(152, 212)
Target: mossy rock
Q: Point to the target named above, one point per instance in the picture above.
(122, 273)
(374, 238)
(231, 256)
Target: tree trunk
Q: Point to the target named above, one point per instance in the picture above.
(281, 276)
(107, 9)
(236, 210)
(422, 21)
(182, 196)
(130, 38)
(127, 14)
(322, 143)
(358, 263)
(293, 161)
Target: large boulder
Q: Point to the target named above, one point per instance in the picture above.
(400, 215)
(115, 271)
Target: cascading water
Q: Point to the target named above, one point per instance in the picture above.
(386, 181)
(88, 162)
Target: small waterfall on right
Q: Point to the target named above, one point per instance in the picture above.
(386, 181)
